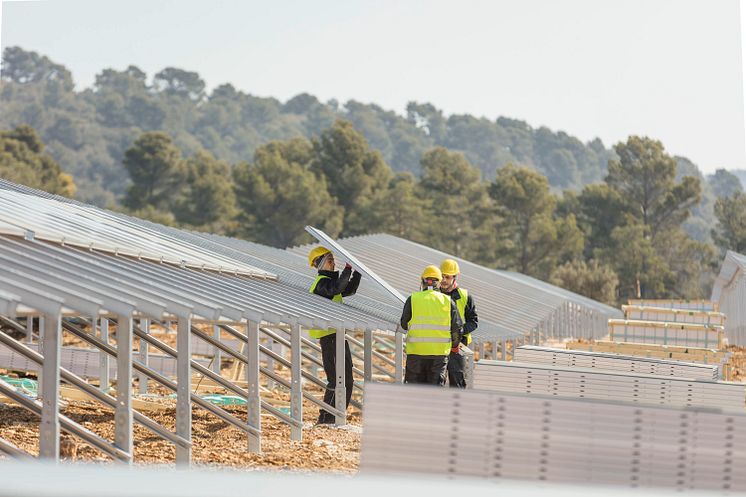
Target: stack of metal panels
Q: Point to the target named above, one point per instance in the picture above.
(607, 385)
(614, 362)
(499, 435)
(686, 334)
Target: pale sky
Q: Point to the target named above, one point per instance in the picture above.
(669, 69)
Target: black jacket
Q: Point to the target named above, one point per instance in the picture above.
(456, 323)
(471, 320)
(337, 283)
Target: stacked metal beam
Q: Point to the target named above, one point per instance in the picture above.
(565, 358)
(672, 315)
(664, 333)
(695, 305)
(496, 435)
(607, 385)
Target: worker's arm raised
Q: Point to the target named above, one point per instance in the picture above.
(353, 284)
(329, 287)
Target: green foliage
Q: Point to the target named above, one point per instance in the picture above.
(278, 195)
(730, 232)
(208, 200)
(157, 172)
(724, 184)
(596, 281)
(537, 239)
(355, 173)
(23, 160)
(600, 209)
(644, 176)
(642, 272)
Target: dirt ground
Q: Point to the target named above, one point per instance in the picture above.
(324, 448)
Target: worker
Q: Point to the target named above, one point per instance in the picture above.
(468, 313)
(433, 329)
(332, 285)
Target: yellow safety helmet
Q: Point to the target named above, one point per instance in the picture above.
(449, 267)
(316, 253)
(432, 273)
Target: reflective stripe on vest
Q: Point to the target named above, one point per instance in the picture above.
(314, 333)
(461, 304)
(429, 329)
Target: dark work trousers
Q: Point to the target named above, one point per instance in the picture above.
(329, 358)
(426, 369)
(456, 366)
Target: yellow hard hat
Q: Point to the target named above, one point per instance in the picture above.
(449, 267)
(316, 253)
(432, 272)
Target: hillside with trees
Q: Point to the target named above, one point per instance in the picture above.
(609, 224)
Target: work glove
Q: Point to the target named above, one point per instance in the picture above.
(348, 266)
(455, 349)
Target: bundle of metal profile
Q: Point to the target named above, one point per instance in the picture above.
(672, 315)
(697, 305)
(85, 362)
(614, 362)
(686, 354)
(607, 385)
(686, 334)
(500, 435)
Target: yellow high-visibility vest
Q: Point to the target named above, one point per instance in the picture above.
(461, 305)
(429, 329)
(336, 298)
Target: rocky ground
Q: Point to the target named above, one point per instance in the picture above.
(323, 448)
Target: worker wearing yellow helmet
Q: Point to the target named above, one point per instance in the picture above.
(433, 329)
(468, 313)
(332, 285)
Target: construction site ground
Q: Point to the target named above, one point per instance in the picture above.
(323, 448)
(215, 443)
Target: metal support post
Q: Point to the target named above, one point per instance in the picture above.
(296, 387)
(399, 358)
(216, 354)
(49, 431)
(252, 379)
(29, 328)
(123, 414)
(368, 355)
(183, 389)
(340, 390)
(271, 385)
(480, 348)
(504, 350)
(103, 358)
(143, 379)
